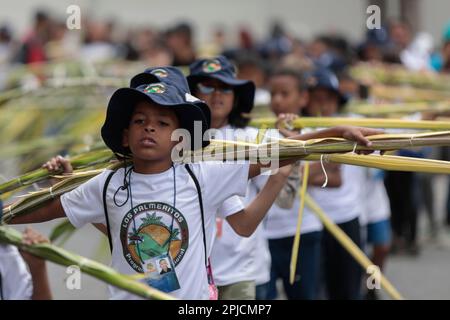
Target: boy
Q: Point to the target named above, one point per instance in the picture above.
(288, 98)
(342, 204)
(156, 208)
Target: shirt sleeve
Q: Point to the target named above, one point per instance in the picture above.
(16, 279)
(223, 180)
(85, 204)
(230, 206)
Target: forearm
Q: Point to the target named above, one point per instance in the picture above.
(319, 134)
(41, 287)
(355, 134)
(246, 221)
(52, 210)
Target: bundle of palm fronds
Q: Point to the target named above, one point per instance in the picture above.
(81, 161)
(65, 258)
(388, 109)
(386, 162)
(398, 75)
(272, 151)
(289, 148)
(323, 122)
(407, 94)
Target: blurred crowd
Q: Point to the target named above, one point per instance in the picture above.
(257, 60)
(49, 39)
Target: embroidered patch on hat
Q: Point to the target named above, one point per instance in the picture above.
(210, 66)
(161, 73)
(155, 88)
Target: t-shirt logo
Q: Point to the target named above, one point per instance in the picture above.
(147, 232)
(210, 66)
(161, 73)
(155, 88)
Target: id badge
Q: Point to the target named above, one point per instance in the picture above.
(160, 273)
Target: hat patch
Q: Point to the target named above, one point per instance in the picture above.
(190, 98)
(161, 73)
(210, 66)
(155, 88)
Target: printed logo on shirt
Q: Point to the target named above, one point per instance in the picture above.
(145, 234)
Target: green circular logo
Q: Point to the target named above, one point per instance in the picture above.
(146, 233)
(210, 66)
(155, 88)
(161, 73)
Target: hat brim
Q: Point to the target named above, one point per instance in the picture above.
(244, 89)
(120, 109)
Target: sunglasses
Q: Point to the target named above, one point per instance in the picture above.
(209, 90)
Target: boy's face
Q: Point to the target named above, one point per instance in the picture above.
(149, 133)
(285, 95)
(219, 97)
(323, 102)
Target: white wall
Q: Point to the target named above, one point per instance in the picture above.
(305, 18)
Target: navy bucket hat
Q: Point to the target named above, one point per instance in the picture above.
(171, 75)
(323, 78)
(165, 94)
(220, 68)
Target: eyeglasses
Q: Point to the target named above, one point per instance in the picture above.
(209, 90)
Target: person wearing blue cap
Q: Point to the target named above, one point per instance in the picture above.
(324, 94)
(342, 203)
(157, 208)
(289, 97)
(235, 259)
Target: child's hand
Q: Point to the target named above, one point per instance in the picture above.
(285, 172)
(285, 123)
(30, 237)
(57, 163)
(358, 135)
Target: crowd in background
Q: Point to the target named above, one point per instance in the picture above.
(257, 59)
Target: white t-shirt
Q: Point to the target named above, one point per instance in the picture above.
(145, 230)
(261, 254)
(15, 278)
(282, 223)
(233, 257)
(377, 207)
(344, 203)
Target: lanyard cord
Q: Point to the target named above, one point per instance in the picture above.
(174, 204)
(134, 221)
